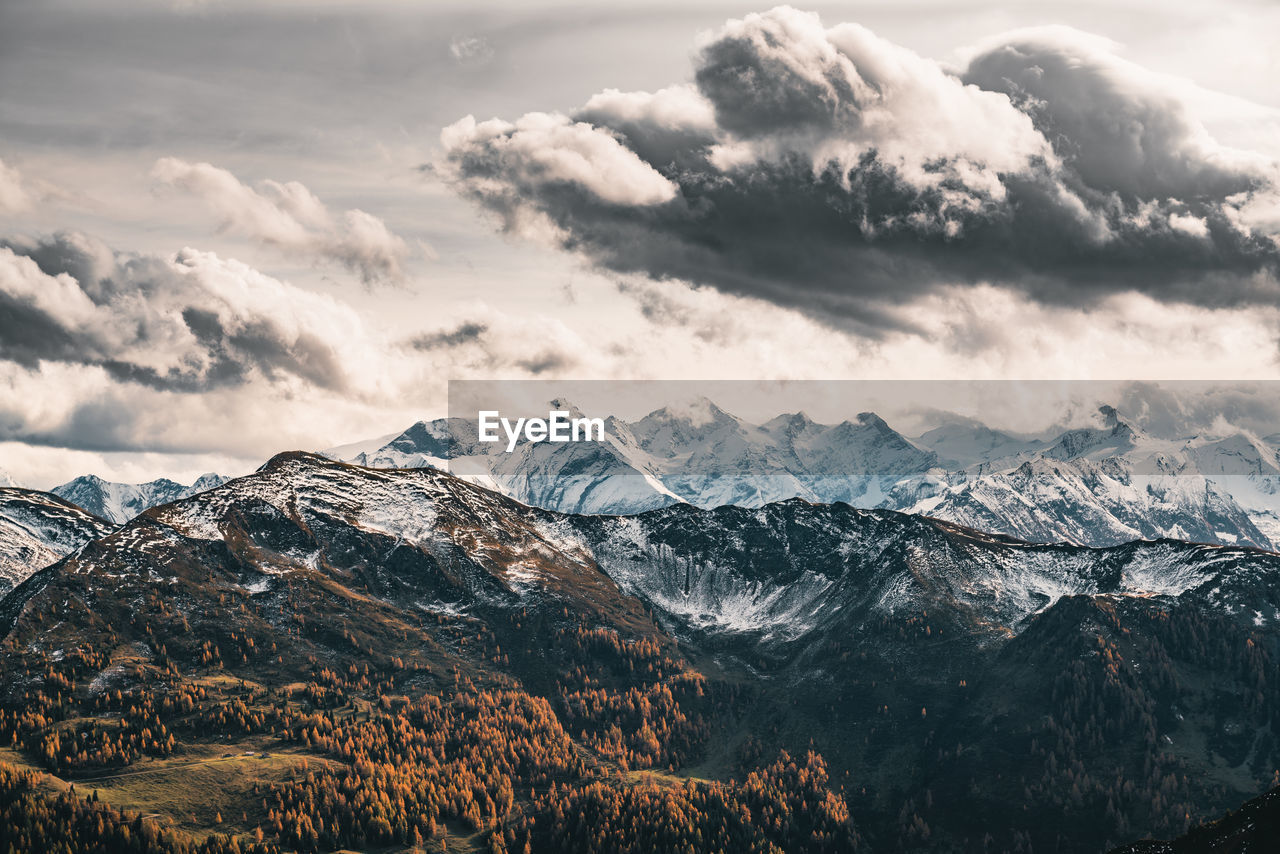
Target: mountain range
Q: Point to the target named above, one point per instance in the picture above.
(958, 690)
(1100, 485)
(120, 502)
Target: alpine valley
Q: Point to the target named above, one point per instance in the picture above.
(322, 655)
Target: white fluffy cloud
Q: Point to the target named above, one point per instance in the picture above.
(108, 352)
(191, 322)
(13, 194)
(828, 170)
(782, 84)
(542, 150)
(288, 216)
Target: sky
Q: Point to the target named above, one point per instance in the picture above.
(232, 228)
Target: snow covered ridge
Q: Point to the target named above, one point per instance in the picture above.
(1101, 485)
(37, 529)
(787, 570)
(774, 574)
(120, 502)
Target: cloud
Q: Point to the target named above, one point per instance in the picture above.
(542, 152)
(14, 197)
(470, 50)
(464, 333)
(486, 341)
(828, 170)
(1205, 409)
(188, 323)
(288, 216)
(120, 353)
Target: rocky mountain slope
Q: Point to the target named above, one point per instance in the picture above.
(1252, 829)
(36, 529)
(944, 674)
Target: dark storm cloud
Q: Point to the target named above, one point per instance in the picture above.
(549, 361)
(1116, 127)
(28, 334)
(464, 333)
(834, 172)
(1180, 409)
(189, 324)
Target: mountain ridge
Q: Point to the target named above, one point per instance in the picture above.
(1103, 485)
(929, 664)
(120, 502)
(39, 528)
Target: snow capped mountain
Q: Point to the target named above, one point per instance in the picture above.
(120, 502)
(1236, 454)
(1094, 503)
(961, 444)
(791, 569)
(427, 540)
(6, 481)
(1096, 485)
(426, 443)
(695, 453)
(1114, 438)
(36, 529)
(690, 429)
(830, 619)
(611, 477)
(773, 574)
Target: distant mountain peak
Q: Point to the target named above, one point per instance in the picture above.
(120, 502)
(563, 404)
(208, 480)
(871, 419)
(792, 423)
(284, 458)
(1087, 484)
(697, 412)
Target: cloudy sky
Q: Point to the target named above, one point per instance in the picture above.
(230, 228)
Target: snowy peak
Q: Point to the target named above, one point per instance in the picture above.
(207, 481)
(120, 502)
(776, 573)
(792, 569)
(696, 412)
(416, 537)
(1115, 437)
(1098, 503)
(686, 429)
(961, 444)
(423, 444)
(1097, 485)
(875, 422)
(864, 447)
(790, 424)
(1238, 454)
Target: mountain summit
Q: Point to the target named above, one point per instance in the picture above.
(120, 502)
